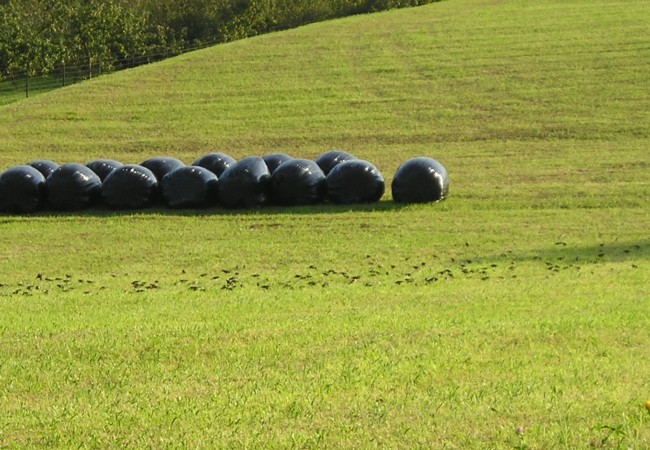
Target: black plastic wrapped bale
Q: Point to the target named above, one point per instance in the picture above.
(355, 181)
(190, 187)
(328, 160)
(161, 166)
(216, 163)
(274, 160)
(420, 180)
(298, 182)
(44, 166)
(73, 187)
(102, 167)
(246, 184)
(130, 187)
(22, 190)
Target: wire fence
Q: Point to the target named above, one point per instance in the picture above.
(22, 85)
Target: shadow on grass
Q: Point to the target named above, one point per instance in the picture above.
(562, 253)
(159, 210)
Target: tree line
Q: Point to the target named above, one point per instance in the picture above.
(38, 37)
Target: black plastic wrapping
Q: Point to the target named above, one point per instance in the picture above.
(298, 182)
(420, 180)
(22, 190)
(130, 187)
(246, 184)
(216, 163)
(273, 160)
(190, 187)
(161, 166)
(72, 187)
(102, 167)
(328, 160)
(355, 181)
(44, 166)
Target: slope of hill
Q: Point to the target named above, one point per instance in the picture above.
(456, 72)
(460, 79)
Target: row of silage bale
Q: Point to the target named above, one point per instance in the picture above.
(216, 178)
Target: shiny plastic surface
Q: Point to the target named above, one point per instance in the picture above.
(102, 167)
(190, 187)
(22, 190)
(72, 187)
(420, 180)
(245, 185)
(328, 160)
(273, 160)
(44, 166)
(130, 187)
(216, 163)
(298, 182)
(355, 181)
(161, 166)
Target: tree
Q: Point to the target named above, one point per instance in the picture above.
(99, 32)
(24, 39)
(38, 36)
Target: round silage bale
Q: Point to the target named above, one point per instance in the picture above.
(216, 163)
(130, 187)
(420, 180)
(298, 182)
(22, 190)
(102, 167)
(245, 185)
(73, 187)
(162, 165)
(45, 166)
(190, 187)
(273, 160)
(355, 181)
(328, 160)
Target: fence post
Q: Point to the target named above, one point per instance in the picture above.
(63, 75)
(27, 84)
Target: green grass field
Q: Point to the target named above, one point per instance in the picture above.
(513, 315)
(18, 89)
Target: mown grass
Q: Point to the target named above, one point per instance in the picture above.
(522, 301)
(20, 88)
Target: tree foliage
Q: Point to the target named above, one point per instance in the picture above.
(40, 36)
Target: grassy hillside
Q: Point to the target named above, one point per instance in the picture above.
(463, 81)
(519, 303)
